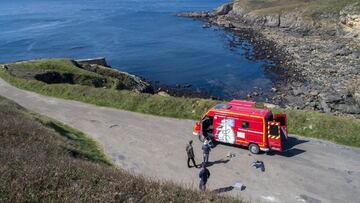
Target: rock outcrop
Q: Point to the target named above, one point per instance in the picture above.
(123, 80)
(196, 14)
(223, 9)
(350, 20)
(99, 61)
(320, 51)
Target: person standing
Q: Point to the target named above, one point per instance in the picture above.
(204, 176)
(190, 154)
(205, 124)
(206, 151)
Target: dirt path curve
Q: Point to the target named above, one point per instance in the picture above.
(312, 171)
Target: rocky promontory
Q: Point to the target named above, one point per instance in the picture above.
(315, 45)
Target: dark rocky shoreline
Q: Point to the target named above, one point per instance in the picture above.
(318, 68)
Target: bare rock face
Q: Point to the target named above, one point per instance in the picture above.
(350, 20)
(98, 61)
(272, 20)
(355, 89)
(288, 19)
(238, 9)
(196, 14)
(223, 9)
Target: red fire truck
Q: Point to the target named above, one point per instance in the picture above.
(240, 123)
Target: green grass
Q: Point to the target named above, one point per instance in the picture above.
(56, 64)
(43, 160)
(64, 69)
(84, 146)
(338, 129)
(176, 107)
(313, 9)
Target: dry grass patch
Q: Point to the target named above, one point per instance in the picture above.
(44, 161)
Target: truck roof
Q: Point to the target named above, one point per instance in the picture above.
(242, 107)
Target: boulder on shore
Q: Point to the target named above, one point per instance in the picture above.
(223, 9)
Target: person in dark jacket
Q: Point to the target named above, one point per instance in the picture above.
(204, 176)
(206, 151)
(190, 154)
(206, 127)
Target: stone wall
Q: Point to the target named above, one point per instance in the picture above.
(98, 61)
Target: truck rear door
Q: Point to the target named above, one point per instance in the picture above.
(274, 136)
(281, 118)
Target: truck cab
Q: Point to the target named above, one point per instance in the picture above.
(241, 123)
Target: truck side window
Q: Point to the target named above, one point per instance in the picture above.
(245, 124)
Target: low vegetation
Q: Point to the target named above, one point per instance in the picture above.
(45, 161)
(306, 123)
(313, 9)
(337, 129)
(56, 71)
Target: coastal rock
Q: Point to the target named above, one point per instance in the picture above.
(254, 18)
(331, 97)
(4, 67)
(325, 107)
(299, 90)
(99, 61)
(163, 94)
(223, 9)
(348, 108)
(272, 20)
(350, 20)
(123, 80)
(295, 21)
(196, 14)
(317, 65)
(238, 9)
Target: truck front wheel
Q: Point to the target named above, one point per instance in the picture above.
(254, 148)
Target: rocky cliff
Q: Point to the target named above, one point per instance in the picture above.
(350, 20)
(318, 44)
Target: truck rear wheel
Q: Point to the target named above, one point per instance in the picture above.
(254, 148)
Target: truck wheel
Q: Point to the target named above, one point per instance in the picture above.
(254, 148)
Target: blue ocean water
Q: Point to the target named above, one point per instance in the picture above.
(143, 37)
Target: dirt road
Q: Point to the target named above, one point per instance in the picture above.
(312, 171)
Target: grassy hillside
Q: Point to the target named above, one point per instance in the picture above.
(306, 123)
(55, 71)
(313, 8)
(45, 161)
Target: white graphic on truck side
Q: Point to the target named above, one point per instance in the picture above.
(225, 132)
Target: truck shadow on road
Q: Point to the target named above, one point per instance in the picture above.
(289, 149)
